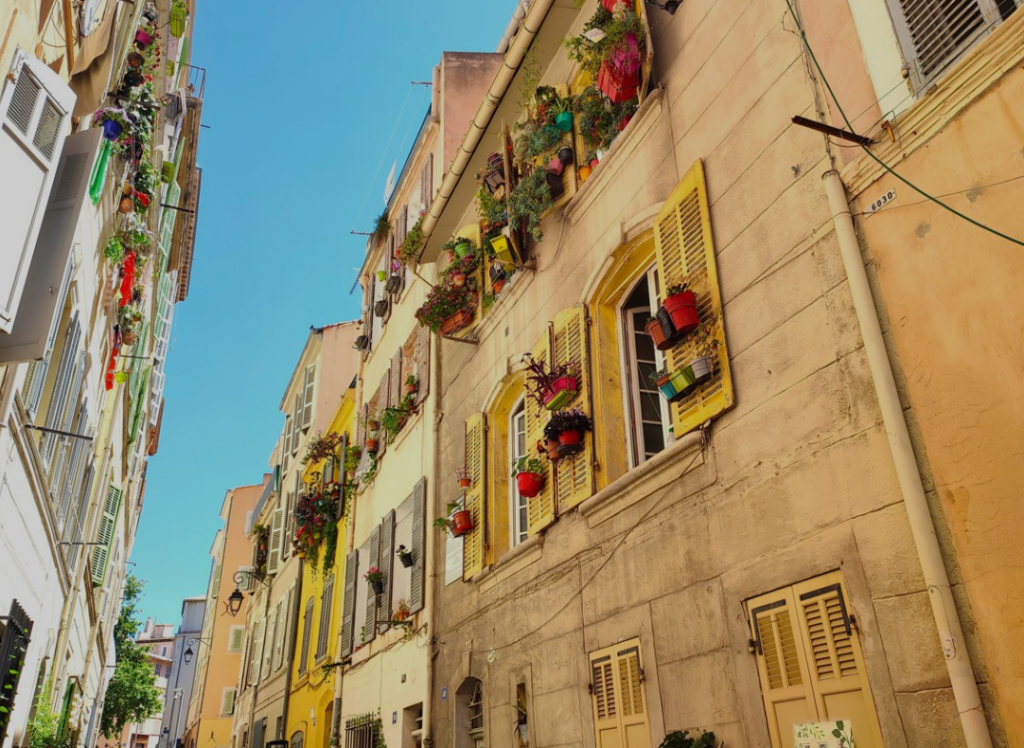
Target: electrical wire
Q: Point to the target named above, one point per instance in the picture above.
(384, 153)
(894, 206)
(893, 172)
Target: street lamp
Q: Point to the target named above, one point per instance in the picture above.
(189, 642)
(236, 598)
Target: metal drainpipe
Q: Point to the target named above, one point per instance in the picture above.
(291, 651)
(958, 663)
(256, 685)
(499, 86)
(513, 25)
(431, 569)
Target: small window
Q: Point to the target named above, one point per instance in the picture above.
(647, 409)
(469, 714)
(476, 716)
(297, 739)
(518, 524)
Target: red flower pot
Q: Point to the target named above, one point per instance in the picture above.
(497, 286)
(682, 308)
(465, 482)
(561, 392)
(550, 448)
(570, 443)
(657, 334)
(462, 523)
(456, 322)
(529, 484)
(609, 5)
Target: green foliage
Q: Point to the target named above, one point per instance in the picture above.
(530, 73)
(45, 728)
(489, 208)
(382, 226)
(147, 178)
(598, 119)
(527, 465)
(443, 301)
(114, 251)
(528, 200)
(535, 140)
(590, 54)
(410, 249)
(132, 695)
(682, 739)
(393, 418)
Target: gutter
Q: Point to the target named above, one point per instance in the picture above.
(528, 31)
(940, 594)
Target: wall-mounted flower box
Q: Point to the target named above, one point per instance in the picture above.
(381, 306)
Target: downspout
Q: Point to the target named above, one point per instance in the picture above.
(947, 621)
(431, 568)
(529, 27)
(256, 685)
(513, 25)
(296, 607)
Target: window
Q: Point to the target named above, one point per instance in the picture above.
(518, 524)
(647, 409)
(809, 660)
(227, 702)
(297, 739)
(326, 601)
(469, 714)
(236, 639)
(283, 612)
(522, 728)
(307, 630)
(268, 649)
(619, 697)
(362, 731)
(934, 33)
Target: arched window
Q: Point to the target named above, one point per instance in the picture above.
(469, 714)
(517, 523)
(297, 739)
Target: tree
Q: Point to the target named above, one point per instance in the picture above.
(132, 695)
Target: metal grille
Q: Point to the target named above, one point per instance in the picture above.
(23, 101)
(940, 29)
(361, 731)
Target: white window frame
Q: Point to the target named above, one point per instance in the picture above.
(231, 635)
(631, 394)
(516, 533)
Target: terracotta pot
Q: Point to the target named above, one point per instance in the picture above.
(570, 443)
(561, 392)
(372, 445)
(550, 447)
(657, 334)
(412, 388)
(465, 482)
(529, 484)
(682, 308)
(456, 322)
(498, 285)
(461, 523)
(127, 205)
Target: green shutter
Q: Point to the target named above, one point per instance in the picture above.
(108, 527)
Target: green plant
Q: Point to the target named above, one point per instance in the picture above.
(373, 574)
(442, 523)
(602, 34)
(412, 381)
(147, 178)
(534, 140)
(675, 287)
(371, 470)
(657, 375)
(382, 226)
(114, 250)
(444, 301)
(567, 420)
(45, 726)
(541, 377)
(682, 739)
(529, 77)
(599, 120)
(393, 418)
(528, 200)
(705, 339)
(488, 301)
(527, 465)
(489, 208)
(409, 252)
(321, 447)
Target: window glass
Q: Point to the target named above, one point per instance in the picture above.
(648, 410)
(517, 504)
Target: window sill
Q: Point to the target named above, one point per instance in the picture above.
(969, 79)
(517, 559)
(616, 157)
(683, 457)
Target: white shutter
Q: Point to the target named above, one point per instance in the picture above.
(297, 423)
(248, 522)
(307, 400)
(268, 650)
(283, 614)
(236, 639)
(276, 541)
(35, 106)
(227, 702)
(255, 657)
(108, 527)
(69, 359)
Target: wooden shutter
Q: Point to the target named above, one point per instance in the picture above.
(62, 383)
(371, 597)
(619, 698)
(422, 358)
(307, 398)
(397, 379)
(348, 603)
(81, 508)
(387, 556)
(541, 508)
(307, 632)
(427, 181)
(268, 649)
(277, 540)
(256, 655)
(570, 344)
(683, 244)
(297, 423)
(108, 528)
(361, 427)
(236, 639)
(227, 705)
(809, 660)
(403, 231)
(341, 476)
(934, 33)
(284, 611)
(324, 630)
(419, 548)
(474, 545)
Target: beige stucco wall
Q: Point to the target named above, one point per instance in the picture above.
(951, 299)
(797, 479)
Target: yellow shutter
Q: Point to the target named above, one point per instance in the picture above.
(683, 243)
(471, 232)
(541, 508)
(474, 545)
(619, 700)
(810, 662)
(570, 345)
(835, 660)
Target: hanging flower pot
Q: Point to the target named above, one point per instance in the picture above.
(555, 184)
(565, 155)
(702, 368)
(394, 284)
(583, 173)
(135, 60)
(495, 161)
(301, 554)
(380, 307)
(378, 586)
(177, 23)
(550, 448)
(682, 308)
(529, 484)
(657, 334)
(555, 166)
(503, 249)
(382, 275)
(498, 285)
(463, 249)
(563, 121)
(459, 279)
(463, 477)
(150, 14)
(405, 556)
(668, 389)
(570, 443)
(683, 381)
(127, 205)
(372, 444)
(129, 336)
(143, 39)
(112, 129)
(561, 392)
(456, 322)
(461, 523)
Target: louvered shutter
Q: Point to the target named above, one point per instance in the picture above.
(108, 528)
(268, 649)
(387, 556)
(307, 632)
(69, 482)
(934, 32)
(284, 611)
(277, 540)
(397, 378)
(256, 656)
(619, 698)
(307, 398)
(35, 106)
(683, 244)
(348, 603)
(69, 360)
(377, 405)
(835, 661)
(64, 445)
(227, 705)
(371, 597)
(419, 549)
(606, 708)
(361, 428)
(403, 231)
(81, 503)
(257, 734)
(324, 630)
(540, 510)
(341, 476)
(297, 423)
(427, 181)
(422, 359)
(474, 545)
(237, 639)
(570, 344)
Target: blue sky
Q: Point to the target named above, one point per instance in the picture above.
(301, 107)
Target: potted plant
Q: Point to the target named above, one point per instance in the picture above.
(447, 308)
(144, 37)
(380, 307)
(382, 227)
(552, 387)
(674, 385)
(529, 475)
(681, 304)
(113, 120)
(463, 248)
(402, 612)
(682, 739)
(412, 384)
(372, 444)
(705, 344)
(393, 419)
(561, 108)
(529, 200)
(568, 427)
(177, 18)
(498, 276)
(394, 284)
(375, 577)
(565, 155)
(462, 475)
(405, 556)
(458, 521)
(135, 60)
(549, 448)
(657, 334)
(382, 275)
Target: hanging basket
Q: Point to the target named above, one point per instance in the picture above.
(463, 477)
(178, 16)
